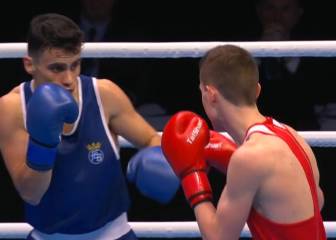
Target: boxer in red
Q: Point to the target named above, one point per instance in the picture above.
(272, 176)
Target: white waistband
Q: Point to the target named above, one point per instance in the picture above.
(112, 230)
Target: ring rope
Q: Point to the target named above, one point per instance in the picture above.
(180, 50)
(187, 49)
(314, 138)
(145, 229)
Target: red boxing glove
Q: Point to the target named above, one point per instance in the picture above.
(219, 150)
(183, 141)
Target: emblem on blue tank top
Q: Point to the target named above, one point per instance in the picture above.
(96, 155)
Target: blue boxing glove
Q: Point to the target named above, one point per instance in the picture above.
(152, 174)
(48, 109)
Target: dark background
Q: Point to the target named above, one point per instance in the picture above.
(173, 82)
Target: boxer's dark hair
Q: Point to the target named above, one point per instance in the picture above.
(233, 71)
(52, 30)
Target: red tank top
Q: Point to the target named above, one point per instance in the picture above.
(310, 229)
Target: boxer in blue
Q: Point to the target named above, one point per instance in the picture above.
(58, 139)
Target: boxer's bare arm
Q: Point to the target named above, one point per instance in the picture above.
(30, 184)
(236, 200)
(123, 119)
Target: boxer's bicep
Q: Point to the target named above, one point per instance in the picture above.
(243, 181)
(123, 119)
(13, 146)
(13, 138)
(13, 150)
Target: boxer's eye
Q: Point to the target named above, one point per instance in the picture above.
(57, 68)
(75, 65)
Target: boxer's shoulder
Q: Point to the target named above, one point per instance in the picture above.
(11, 108)
(11, 117)
(114, 99)
(263, 144)
(12, 96)
(253, 158)
(108, 90)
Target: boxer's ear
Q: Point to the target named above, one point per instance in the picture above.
(211, 92)
(28, 64)
(258, 89)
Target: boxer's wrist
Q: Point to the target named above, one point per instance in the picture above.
(196, 187)
(40, 157)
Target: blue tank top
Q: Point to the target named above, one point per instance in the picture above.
(88, 188)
